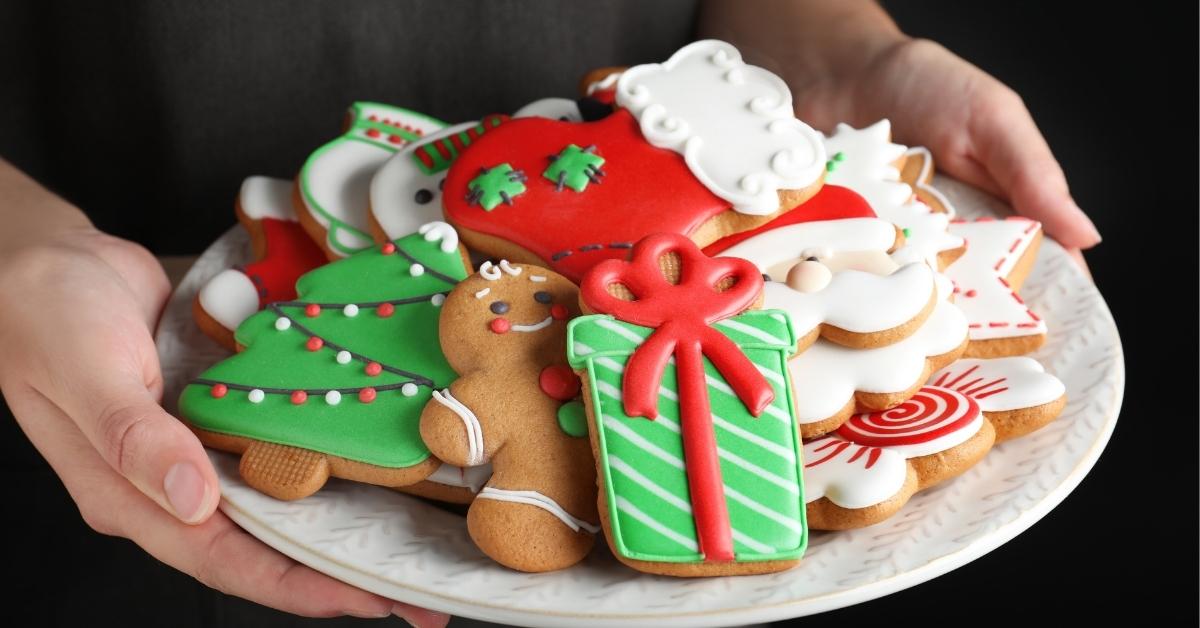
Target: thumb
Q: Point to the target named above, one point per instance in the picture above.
(1012, 150)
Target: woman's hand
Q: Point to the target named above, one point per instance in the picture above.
(80, 373)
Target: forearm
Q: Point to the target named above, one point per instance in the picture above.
(804, 41)
(31, 213)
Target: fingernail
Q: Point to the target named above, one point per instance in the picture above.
(1093, 234)
(368, 614)
(187, 492)
(419, 617)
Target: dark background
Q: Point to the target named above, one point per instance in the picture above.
(149, 115)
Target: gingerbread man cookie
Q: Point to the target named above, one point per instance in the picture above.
(503, 331)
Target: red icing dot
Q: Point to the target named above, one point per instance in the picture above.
(388, 248)
(299, 397)
(372, 132)
(314, 343)
(312, 310)
(559, 312)
(500, 325)
(373, 117)
(385, 310)
(366, 395)
(373, 368)
(559, 382)
(395, 139)
(970, 293)
(219, 390)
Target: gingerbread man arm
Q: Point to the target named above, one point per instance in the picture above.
(451, 429)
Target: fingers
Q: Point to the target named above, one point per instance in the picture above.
(1008, 145)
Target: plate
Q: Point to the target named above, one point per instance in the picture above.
(412, 551)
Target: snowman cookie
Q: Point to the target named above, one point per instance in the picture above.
(503, 331)
(282, 250)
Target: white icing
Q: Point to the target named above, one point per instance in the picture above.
(732, 122)
(851, 484)
(926, 175)
(471, 478)
(788, 242)
(489, 271)
(256, 396)
(438, 231)
(393, 189)
(868, 167)
(826, 375)
(607, 82)
(537, 278)
(534, 498)
(475, 451)
(336, 179)
(416, 270)
(342, 357)
(351, 310)
(229, 298)
(333, 397)
(509, 268)
(437, 300)
(993, 248)
(408, 389)
(267, 197)
(563, 109)
(538, 326)
(856, 301)
(482, 293)
(937, 414)
(1001, 384)
(283, 323)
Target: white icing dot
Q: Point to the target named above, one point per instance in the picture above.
(342, 357)
(333, 397)
(408, 389)
(350, 310)
(416, 270)
(257, 395)
(282, 323)
(438, 300)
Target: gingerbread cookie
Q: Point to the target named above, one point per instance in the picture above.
(691, 414)
(1016, 394)
(282, 250)
(865, 160)
(1000, 255)
(831, 381)
(917, 172)
(503, 330)
(333, 383)
(332, 188)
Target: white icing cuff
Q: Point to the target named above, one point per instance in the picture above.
(267, 197)
(229, 298)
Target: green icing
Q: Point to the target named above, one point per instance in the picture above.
(572, 419)
(833, 161)
(499, 184)
(575, 167)
(642, 460)
(384, 432)
(344, 237)
(907, 232)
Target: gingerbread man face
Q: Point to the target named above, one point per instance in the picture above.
(509, 313)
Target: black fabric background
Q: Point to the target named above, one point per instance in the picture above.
(148, 114)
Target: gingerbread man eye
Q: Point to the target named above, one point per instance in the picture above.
(423, 196)
(498, 307)
(541, 296)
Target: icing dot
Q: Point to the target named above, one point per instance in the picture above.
(416, 270)
(282, 323)
(314, 344)
(498, 307)
(372, 132)
(219, 390)
(373, 369)
(299, 397)
(312, 310)
(350, 310)
(437, 300)
(572, 419)
(423, 196)
(559, 382)
(385, 310)
(342, 357)
(559, 311)
(333, 397)
(499, 325)
(256, 395)
(541, 296)
(366, 395)
(388, 248)
(395, 139)
(408, 389)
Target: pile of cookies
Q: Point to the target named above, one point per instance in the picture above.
(668, 312)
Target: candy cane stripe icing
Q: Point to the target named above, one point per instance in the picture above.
(933, 420)
(851, 475)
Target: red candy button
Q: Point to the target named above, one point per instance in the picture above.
(559, 312)
(314, 343)
(500, 325)
(312, 310)
(219, 390)
(559, 382)
(385, 310)
(299, 397)
(366, 395)
(373, 369)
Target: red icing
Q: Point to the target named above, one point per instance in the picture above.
(385, 310)
(290, 252)
(312, 310)
(314, 343)
(299, 397)
(921, 419)
(372, 369)
(645, 190)
(499, 325)
(219, 390)
(366, 395)
(559, 312)
(388, 248)
(681, 316)
(832, 202)
(559, 382)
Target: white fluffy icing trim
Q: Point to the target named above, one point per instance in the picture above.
(229, 298)
(267, 197)
(732, 122)
(838, 469)
(563, 109)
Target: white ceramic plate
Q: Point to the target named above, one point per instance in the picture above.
(407, 550)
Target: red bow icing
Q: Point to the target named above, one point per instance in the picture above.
(681, 315)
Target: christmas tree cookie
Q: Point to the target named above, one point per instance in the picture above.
(333, 383)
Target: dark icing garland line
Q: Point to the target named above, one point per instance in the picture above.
(591, 247)
(200, 381)
(408, 256)
(425, 298)
(416, 378)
